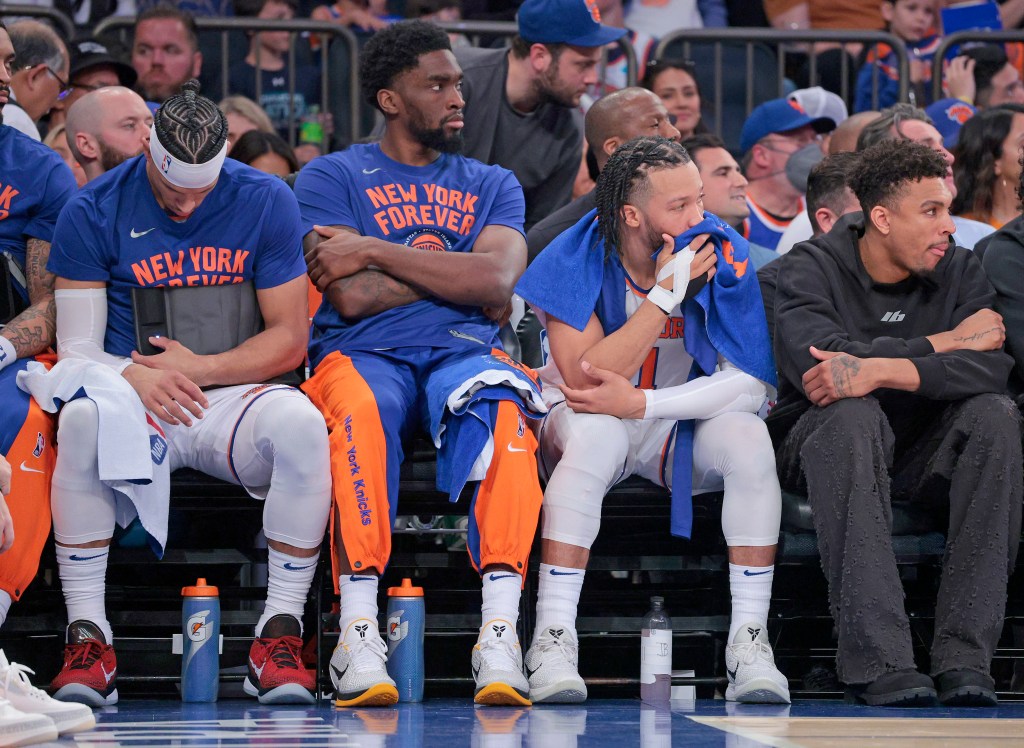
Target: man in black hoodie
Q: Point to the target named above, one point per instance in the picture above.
(892, 385)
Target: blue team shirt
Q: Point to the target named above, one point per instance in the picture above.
(35, 183)
(442, 207)
(114, 231)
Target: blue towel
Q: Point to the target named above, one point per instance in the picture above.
(572, 279)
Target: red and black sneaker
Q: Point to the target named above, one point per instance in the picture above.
(277, 674)
(89, 673)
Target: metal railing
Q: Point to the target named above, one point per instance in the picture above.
(977, 36)
(298, 33)
(64, 24)
(778, 44)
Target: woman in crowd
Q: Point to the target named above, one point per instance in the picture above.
(266, 152)
(675, 83)
(987, 165)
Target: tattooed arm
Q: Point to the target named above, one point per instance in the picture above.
(840, 375)
(32, 331)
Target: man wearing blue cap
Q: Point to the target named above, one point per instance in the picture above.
(772, 134)
(521, 103)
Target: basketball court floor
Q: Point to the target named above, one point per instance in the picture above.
(450, 723)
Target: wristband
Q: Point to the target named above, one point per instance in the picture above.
(663, 299)
(7, 353)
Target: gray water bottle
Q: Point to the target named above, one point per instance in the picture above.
(656, 655)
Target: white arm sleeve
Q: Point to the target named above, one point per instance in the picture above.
(82, 325)
(725, 391)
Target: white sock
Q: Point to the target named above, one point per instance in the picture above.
(358, 599)
(288, 581)
(751, 588)
(501, 593)
(83, 573)
(5, 606)
(558, 595)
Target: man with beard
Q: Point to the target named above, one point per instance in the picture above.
(35, 184)
(892, 367)
(521, 103)
(416, 250)
(106, 127)
(165, 52)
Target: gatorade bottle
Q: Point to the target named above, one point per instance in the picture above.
(406, 624)
(656, 655)
(200, 637)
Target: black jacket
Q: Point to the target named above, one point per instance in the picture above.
(1004, 265)
(826, 298)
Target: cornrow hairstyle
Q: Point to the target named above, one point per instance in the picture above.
(190, 126)
(394, 50)
(625, 177)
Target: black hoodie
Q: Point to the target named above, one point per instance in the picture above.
(1003, 261)
(826, 298)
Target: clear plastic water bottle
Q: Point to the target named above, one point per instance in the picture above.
(200, 635)
(406, 626)
(656, 654)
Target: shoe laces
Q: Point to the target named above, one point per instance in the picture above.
(286, 652)
(19, 674)
(749, 652)
(369, 654)
(548, 644)
(499, 654)
(84, 654)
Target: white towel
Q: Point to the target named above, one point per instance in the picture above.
(132, 450)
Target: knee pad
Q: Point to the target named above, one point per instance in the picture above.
(83, 508)
(77, 429)
(595, 450)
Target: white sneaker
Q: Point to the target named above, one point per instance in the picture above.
(750, 665)
(359, 668)
(498, 666)
(552, 665)
(23, 696)
(18, 728)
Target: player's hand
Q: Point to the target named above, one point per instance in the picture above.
(339, 255)
(982, 331)
(499, 315)
(5, 476)
(167, 394)
(614, 395)
(176, 357)
(6, 523)
(839, 375)
(960, 78)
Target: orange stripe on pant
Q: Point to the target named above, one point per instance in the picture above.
(29, 501)
(358, 461)
(507, 506)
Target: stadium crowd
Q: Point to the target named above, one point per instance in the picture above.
(831, 302)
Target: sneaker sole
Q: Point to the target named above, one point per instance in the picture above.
(381, 694)
(288, 693)
(42, 733)
(82, 694)
(570, 691)
(969, 696)
(500, 694)
(908, 697)
(758, 691)
(68, 725)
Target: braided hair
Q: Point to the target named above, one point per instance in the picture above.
(624, 178)
(190, 126)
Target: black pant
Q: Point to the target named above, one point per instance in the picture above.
(966, 458)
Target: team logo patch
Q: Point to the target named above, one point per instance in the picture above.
(429, 239)
(959, 113)
(522, 426)
(40, 444)
(157, 448)
(595, 12)
(796, 105)
(165, 164)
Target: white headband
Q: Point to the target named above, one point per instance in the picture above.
(180, 174)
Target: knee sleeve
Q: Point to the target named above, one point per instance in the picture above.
(736, 446)
(593, 455)
(83, 508)
(290, 434)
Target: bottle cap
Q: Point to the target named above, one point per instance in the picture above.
(201, 589)
(406, 590)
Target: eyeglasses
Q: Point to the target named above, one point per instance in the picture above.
(65, 87)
